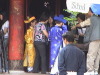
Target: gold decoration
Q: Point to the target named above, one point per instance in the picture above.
(29, 20)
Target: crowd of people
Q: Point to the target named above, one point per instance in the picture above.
(65, 56)
(41, 36)
(49, 35)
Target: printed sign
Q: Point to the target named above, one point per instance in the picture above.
(80, 5)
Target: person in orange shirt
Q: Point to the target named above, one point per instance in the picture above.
(29, 55)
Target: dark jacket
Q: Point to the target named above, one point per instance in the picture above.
(71, 58)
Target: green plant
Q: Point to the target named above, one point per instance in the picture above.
(72, 20)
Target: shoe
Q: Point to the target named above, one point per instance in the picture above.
(87, 73)
(91, 73)
(96, 73)
(30, 69)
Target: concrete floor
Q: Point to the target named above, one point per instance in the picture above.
(23, 74)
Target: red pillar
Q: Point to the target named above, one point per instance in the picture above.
(16, 34)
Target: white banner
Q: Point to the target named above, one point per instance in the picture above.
(80, 5)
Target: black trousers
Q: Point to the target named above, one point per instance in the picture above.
(40, 60)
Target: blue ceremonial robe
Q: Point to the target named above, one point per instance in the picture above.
(55, 36)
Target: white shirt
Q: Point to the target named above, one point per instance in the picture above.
(81, 31)
(6, 25)
(85, 23)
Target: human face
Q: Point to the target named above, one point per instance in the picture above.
(1, 17)
(89, 14)
(62, 24)
(33, 23)
(65, 41)
(79, 20)
(50, 20)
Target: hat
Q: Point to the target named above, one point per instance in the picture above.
(60, 19)
(29, 20)
(61, 16)
(95, 9)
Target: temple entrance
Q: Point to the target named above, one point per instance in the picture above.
(37, 7)
(34, 8)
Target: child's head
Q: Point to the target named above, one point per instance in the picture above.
(68, 37)
(31, 21)
(59, 21)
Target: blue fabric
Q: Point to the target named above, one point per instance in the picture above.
(55, 36)
(61, 16)
(71, 58)
(60, 19)
(96, 9)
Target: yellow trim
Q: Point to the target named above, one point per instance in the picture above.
(29, 20)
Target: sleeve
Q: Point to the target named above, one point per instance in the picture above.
(64, 28)
(5, 25)
(82, 68)
(85, 23)
(61, 67)
(29, 37)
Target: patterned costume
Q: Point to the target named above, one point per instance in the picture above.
(56, 43)
(29, 55)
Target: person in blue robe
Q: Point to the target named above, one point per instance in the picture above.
(55, 36)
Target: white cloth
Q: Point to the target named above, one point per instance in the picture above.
(6, 25)
(82, 31)
(71, 73)
(54, 69)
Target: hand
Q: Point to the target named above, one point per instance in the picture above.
(78, 25)
(73, 27)
(81, 34)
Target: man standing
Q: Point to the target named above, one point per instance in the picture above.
(93, 36)
(5, 28)
(71, 60)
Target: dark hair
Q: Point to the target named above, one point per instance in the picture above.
(5, 18)
(44, 16)
(81, 16)
(29, 24)
(57, 22)
(69, 36)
